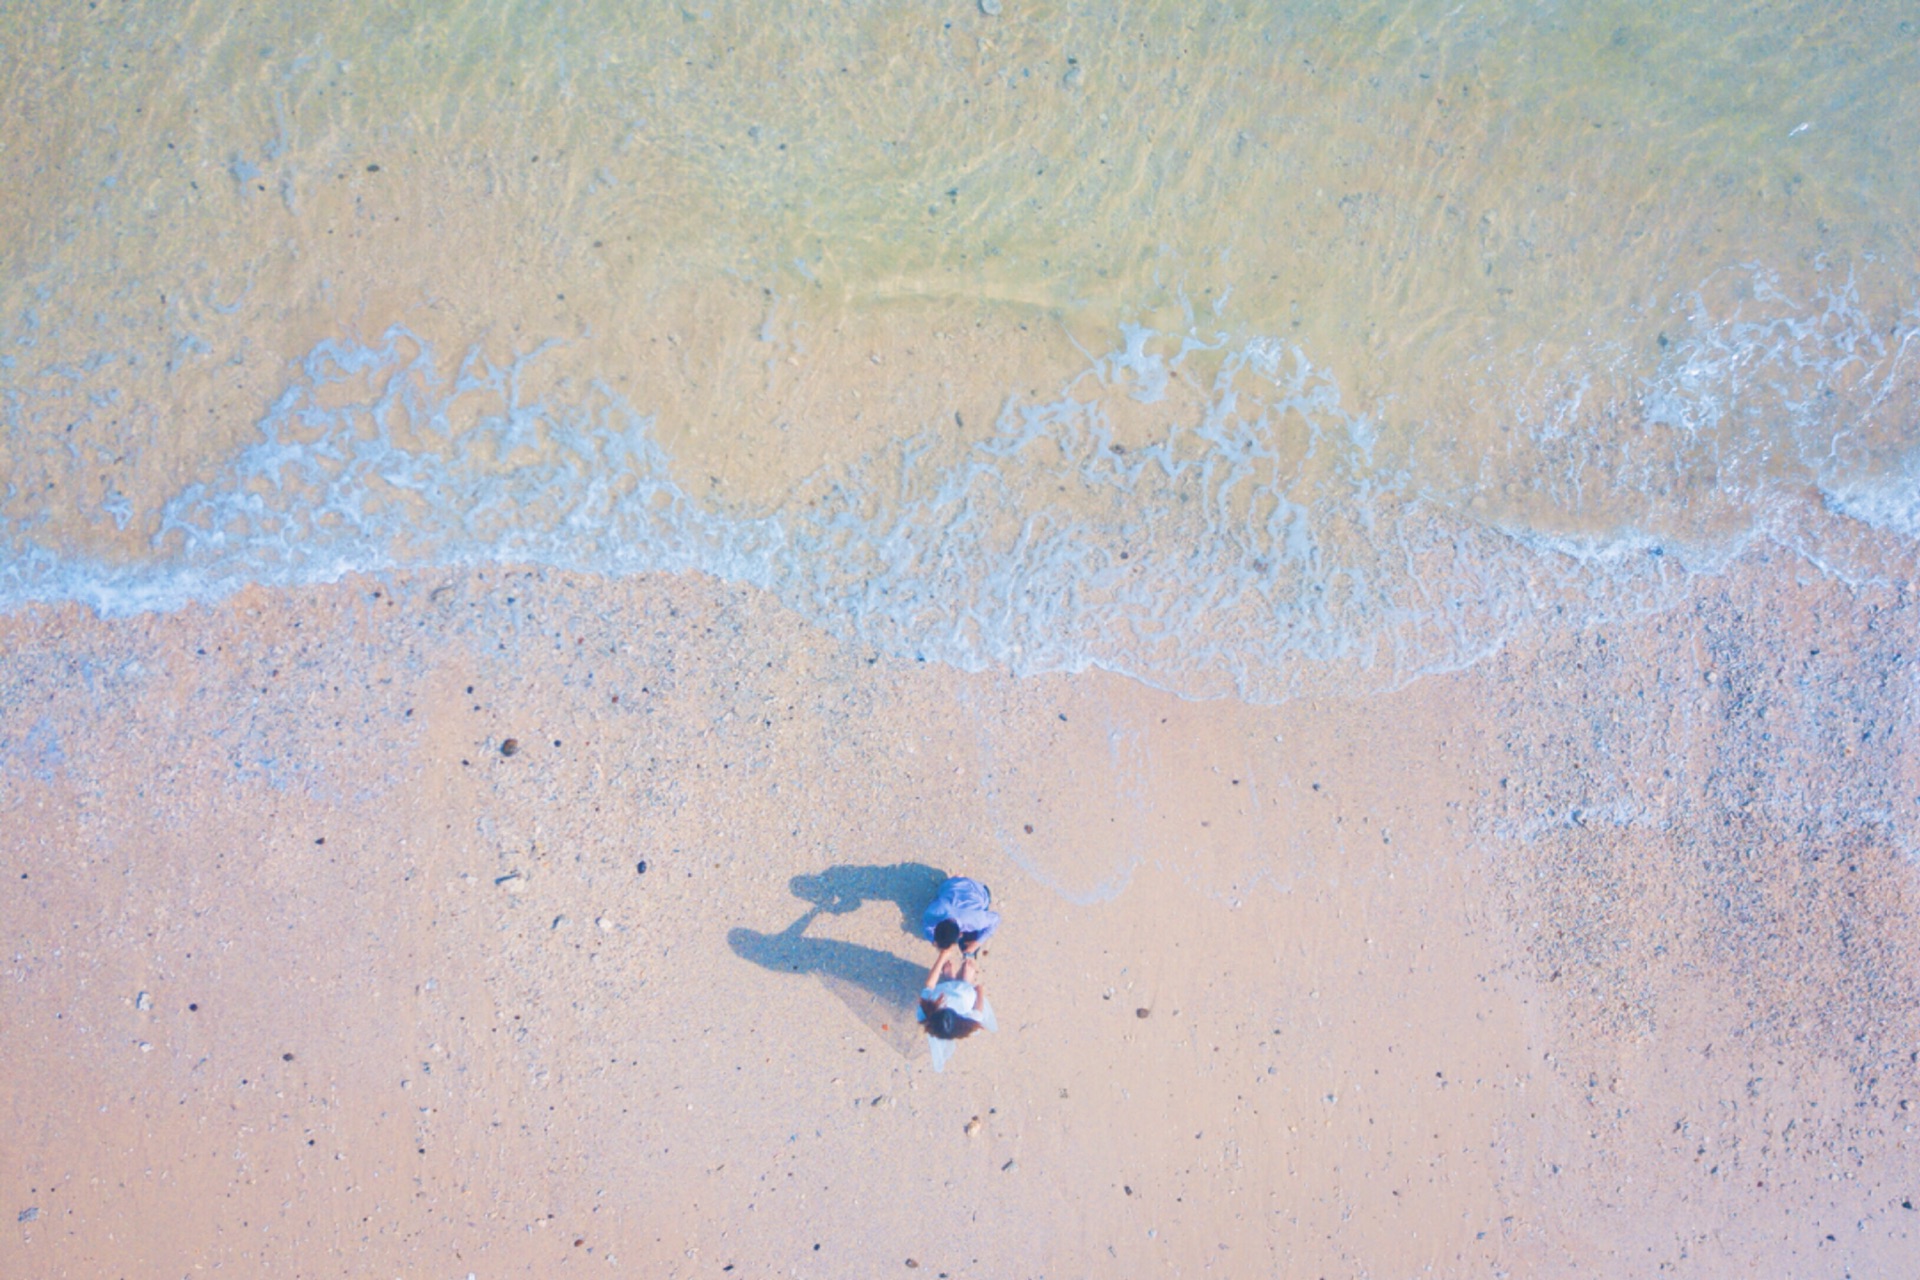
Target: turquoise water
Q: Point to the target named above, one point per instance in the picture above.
(1250, 349)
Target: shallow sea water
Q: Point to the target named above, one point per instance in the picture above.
(1243, 349)
(1269, 355)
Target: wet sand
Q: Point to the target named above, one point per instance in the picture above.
(1598, 959)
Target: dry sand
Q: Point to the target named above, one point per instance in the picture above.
(1598, 959)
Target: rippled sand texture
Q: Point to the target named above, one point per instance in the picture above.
(1388, 536)
(1604, 273)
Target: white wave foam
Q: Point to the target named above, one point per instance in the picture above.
(1891, 503)
(1272, 540)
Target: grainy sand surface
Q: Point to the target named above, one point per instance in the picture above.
(1596, 960)
(924, 415)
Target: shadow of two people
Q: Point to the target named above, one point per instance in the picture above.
(878, 987)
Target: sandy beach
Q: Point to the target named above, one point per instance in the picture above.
(307, 977)
(533, 537)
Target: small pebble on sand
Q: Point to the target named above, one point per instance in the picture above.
(973, 1126)
(512, 882)
(510, 747)
(28, 1214)
(143, 1001)
(1143, 1013)
(990, 7)
(606, 925)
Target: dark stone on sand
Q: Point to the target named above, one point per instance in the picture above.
(286, 1057)
(510, 747)
(640, 867)
(28, 1214)
(1143, 1013)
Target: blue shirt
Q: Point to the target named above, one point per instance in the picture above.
(964, 902)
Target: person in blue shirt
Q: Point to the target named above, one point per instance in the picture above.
(959, 919)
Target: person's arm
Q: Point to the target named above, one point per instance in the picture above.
(951, 956)
(970, 973)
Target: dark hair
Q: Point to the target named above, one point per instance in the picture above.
(945, 934)
(946, 1024)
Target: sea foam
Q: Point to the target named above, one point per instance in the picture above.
(1270, 539)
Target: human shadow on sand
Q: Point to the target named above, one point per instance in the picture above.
(838, 890)
(879, 988)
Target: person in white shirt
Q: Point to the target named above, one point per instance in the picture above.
(953, 1005)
